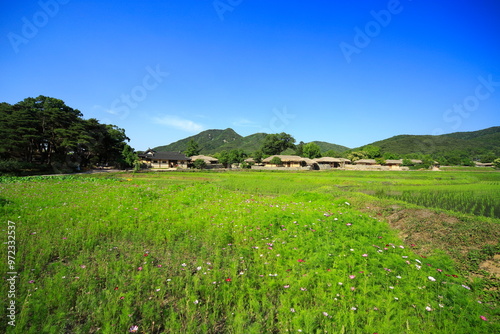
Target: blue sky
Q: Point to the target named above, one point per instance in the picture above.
(335, 71)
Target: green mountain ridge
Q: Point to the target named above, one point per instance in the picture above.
(213, 141)
(473, 143)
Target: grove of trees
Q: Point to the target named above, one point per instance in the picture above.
(44, 131)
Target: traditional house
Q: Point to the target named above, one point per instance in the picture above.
(394, 164)
(366, 162)
(153, 159)
(483, 164)
(208, 160)
(311, 163)
(286, 161)
(328, 162)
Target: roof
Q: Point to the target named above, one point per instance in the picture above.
(285, 158)
(164, 156)
(416, 161)
(365, 161)
(330, 159)
(394, 162)
(204, 157)
(310, 161)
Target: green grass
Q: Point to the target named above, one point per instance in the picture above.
(248, 252)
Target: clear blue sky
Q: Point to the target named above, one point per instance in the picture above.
(334, 71)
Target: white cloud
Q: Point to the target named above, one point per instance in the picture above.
(178, 123)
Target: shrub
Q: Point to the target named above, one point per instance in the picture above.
(199, 164)
(276, 161)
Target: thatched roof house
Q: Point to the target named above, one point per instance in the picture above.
(394, 164)
(329, 162)
(208, 160)
(366, 162)
(286, 161)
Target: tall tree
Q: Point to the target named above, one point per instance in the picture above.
(312, 151)
(299, 149)
(192, 148)
(277, 143)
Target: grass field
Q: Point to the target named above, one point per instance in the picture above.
(252, 252)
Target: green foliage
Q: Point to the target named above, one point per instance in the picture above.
(246, 165)
(233, 253)
(356, 155)
(332, 154)
(129, 155)
(192, 148)
(233, 157)
(312, 151)
(45, 130)
(258, 156)
(276, 161)
(496, 162)
(199, 164)
(299, 149)
(372, 152)
(448, 149)
(277, 143)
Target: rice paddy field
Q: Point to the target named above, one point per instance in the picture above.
(251, 252)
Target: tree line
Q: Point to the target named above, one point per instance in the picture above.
(44, 132)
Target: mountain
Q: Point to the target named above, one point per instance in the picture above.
(472, 143)
(324, 146)
(209, 141)
(213, 141)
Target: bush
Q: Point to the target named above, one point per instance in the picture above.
(496, 162)
(276, 161)
(199, 164)
(20, 167)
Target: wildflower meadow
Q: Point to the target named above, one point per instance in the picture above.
(237, 252)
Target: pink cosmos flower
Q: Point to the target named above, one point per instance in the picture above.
(483, 318)
(352, 276)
